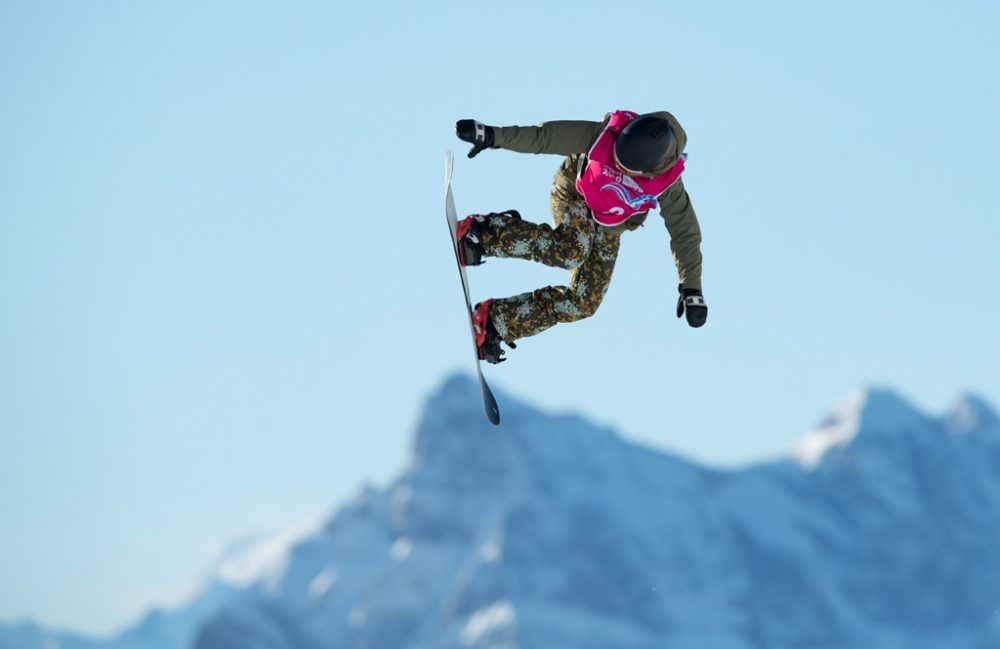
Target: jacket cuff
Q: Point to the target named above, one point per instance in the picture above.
(695, 284)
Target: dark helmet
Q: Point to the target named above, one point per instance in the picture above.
(644, 143)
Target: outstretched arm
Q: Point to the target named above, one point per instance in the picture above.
(564, 137)
(685, 234)
(685, 243)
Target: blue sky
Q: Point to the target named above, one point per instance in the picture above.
(226, 286)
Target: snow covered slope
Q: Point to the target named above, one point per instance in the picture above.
(881, 529)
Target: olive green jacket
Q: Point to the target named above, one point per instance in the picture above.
(573, 139)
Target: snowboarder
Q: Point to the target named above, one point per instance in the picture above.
(615, 171)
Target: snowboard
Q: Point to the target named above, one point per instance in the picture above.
(489, 402)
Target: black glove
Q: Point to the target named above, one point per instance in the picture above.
(692, 302)
(478, 135)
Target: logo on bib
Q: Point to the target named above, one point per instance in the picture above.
(637, 203)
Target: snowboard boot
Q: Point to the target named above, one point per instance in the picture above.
(487, 339)
(470, 242)
(469, 235)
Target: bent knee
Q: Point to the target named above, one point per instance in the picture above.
(574, 244)
(577, 308)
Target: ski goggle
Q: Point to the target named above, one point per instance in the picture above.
(620, 167)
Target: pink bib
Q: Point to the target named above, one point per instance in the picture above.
(612, 196)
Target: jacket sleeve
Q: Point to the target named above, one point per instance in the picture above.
(685, 234)
(564, 137)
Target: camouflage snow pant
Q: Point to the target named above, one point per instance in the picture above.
(577, 243)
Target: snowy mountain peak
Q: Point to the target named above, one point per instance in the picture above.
(871, 411)
(259, 557)
(971, 415)
(455, 444)
(455, 440)
(836, 430)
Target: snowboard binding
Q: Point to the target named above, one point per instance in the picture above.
(469, 235)
(487, 338)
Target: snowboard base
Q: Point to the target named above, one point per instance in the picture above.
(490, 408)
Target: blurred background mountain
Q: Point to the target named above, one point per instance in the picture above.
(881, 528)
